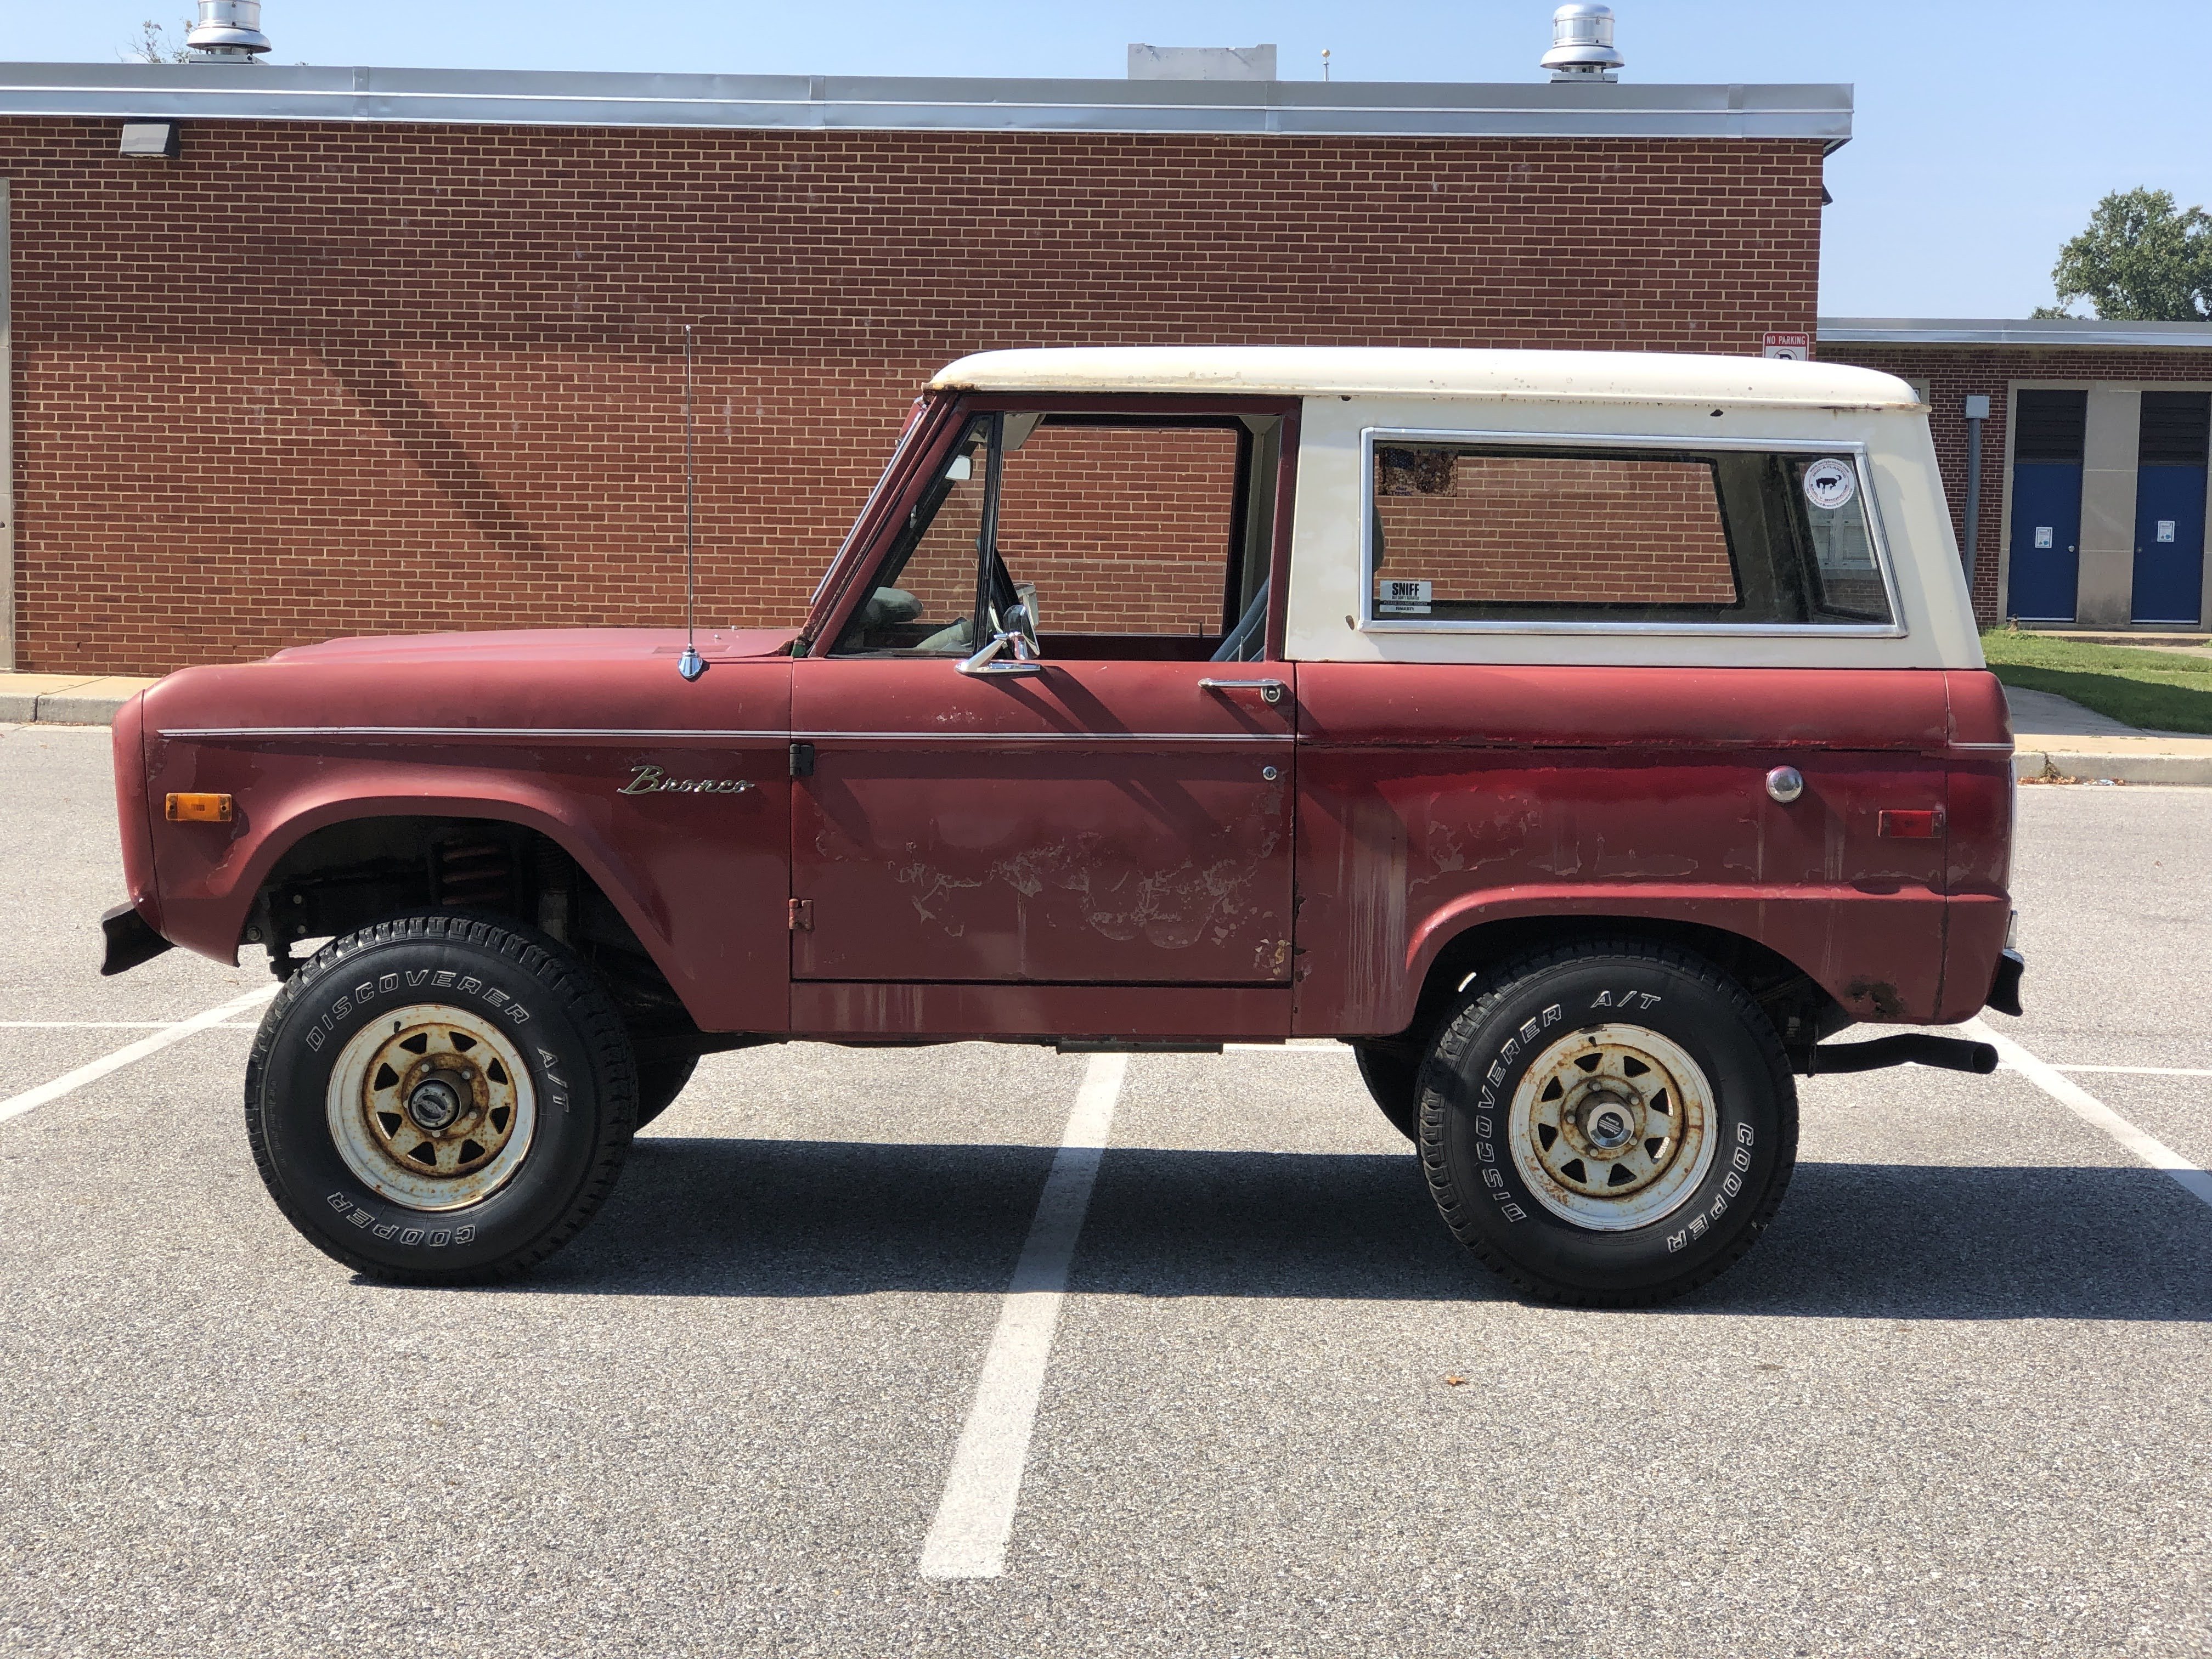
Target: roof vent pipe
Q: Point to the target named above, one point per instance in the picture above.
(229, 31)
(1581, 45)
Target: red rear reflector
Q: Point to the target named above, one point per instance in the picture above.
(1909, 826)
(215, 809)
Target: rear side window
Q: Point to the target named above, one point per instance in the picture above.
(1522, 534)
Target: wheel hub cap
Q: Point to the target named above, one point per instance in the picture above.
(1607, 1124)
(1611, 1126)
(432, 1107)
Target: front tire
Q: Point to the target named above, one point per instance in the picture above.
(658, 1082)
(440, 1099)
(1612, 1123)
(1392, 1072)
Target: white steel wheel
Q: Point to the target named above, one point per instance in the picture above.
(1612, 1127)
(431, 1107)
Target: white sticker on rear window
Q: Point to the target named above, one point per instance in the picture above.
(1830, 483)
(1401, 599)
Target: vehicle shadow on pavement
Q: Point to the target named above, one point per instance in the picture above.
(708, 1217)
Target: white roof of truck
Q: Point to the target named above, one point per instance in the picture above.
(1612, 377)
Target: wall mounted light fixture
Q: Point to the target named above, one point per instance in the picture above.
(155, 138)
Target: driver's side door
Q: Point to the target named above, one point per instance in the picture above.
(1117, 811)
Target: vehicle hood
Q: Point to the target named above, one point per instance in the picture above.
(564, 645)
(558, 678)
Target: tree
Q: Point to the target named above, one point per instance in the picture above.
(152, 45)
(2140, 261)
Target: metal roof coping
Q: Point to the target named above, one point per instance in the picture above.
(2074, 332)
(215, 91)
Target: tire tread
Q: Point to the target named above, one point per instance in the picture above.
(586, 1003)
(1476, 1008)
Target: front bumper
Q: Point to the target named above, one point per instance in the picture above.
(131, 940)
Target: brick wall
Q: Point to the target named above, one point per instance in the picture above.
(313, 380)
(1953, 372)
(1118, 532)
(1123, 532)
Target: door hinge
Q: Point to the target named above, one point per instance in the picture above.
(802, 916)
(802, 760)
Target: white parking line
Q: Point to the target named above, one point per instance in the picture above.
(115, 1025)
(2093, 1112)
(2138, 1071)
(975, 1516)
(16, 1105)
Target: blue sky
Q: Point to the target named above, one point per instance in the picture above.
(1985, 132)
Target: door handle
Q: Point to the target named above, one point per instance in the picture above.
(1269, 690)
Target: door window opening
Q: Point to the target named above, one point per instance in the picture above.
(1126, 535)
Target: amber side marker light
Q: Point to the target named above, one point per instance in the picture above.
(199, 809)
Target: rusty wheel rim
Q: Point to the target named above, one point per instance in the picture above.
(1611, 1127)
(432, 1107)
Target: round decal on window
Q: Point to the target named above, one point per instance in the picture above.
(1830, 483)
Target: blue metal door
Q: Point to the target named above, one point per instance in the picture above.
(2046, 540)
(2170, 465)
(2169, 544)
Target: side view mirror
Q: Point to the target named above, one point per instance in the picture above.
(1012, 650)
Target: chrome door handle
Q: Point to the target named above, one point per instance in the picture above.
(1269, 690)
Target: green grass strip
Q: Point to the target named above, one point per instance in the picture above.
(2165, 690)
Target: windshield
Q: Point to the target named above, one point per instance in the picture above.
(920, 407)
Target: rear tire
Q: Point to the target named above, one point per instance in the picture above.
(1613, 1124)
(440, 1099)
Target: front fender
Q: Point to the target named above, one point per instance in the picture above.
(700, 879)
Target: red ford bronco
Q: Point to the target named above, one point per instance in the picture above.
(1582, 737)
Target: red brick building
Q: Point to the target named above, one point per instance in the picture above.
(396, 350)
(2093, 478)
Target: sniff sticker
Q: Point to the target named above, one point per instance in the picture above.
(1401, 599)
(2043, 534)
(1830, 483)
(2165, 530)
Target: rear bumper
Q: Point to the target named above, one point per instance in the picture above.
(131, 940)
(2004, 988)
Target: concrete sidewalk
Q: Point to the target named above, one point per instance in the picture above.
(2057, 740)
(66, 699)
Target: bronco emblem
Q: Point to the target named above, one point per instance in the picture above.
(651, 780)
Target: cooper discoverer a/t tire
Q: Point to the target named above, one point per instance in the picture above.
(440, 1099)
(1610, 1123)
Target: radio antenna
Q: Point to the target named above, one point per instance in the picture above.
(690, 665)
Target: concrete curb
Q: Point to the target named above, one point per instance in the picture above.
(65, 699)
(2057, 766)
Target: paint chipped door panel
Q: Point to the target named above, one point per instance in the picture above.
(1097, 823)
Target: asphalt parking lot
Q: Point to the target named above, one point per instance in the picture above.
(1959, 1401)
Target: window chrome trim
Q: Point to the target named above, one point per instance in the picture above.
(1855, 448)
